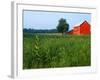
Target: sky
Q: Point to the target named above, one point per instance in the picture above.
(49, 20)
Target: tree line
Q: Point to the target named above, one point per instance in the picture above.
(39, 30)
(62, 27)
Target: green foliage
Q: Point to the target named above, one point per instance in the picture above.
(63, 26)
(48, 51)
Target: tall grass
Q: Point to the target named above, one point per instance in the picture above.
(48, 51)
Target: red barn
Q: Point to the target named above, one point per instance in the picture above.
(82, 29)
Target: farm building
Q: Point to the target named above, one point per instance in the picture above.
(82, 29)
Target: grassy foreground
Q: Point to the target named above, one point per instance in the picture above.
(50, 51)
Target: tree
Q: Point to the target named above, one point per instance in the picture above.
(63, 26)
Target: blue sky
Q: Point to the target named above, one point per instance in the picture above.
(49, 20)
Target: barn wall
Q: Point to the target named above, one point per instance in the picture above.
(85, 28)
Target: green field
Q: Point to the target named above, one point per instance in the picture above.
(51, 51)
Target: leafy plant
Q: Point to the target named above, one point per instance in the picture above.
(50, 51)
